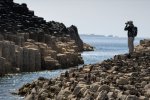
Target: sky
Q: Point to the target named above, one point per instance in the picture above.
(101, 17)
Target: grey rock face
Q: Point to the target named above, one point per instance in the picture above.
(102, 96)
(132, 97)
(2, 65)
(29, 43)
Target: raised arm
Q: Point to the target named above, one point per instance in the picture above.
(126, 27)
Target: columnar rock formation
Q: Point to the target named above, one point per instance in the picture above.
(29, 43)
(123, 77)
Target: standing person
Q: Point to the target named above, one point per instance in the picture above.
(132, 32)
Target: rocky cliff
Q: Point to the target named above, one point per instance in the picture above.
(123, 77)
(29, 43)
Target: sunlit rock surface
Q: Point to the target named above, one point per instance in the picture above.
(29, 43)
(124, 77)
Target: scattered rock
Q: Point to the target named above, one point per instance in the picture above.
(104, 87)
(63, 94)
(122, 81)
(132, 97)
(102, 95)
(120, 78)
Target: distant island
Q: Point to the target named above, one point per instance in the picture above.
(98, 35)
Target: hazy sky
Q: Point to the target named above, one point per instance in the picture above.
(103, 17)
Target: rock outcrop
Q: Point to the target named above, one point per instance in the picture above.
(29, 43)
(124, 77)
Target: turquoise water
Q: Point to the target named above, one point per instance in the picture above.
(105, 47)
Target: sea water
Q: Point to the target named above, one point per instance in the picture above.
(105, 47)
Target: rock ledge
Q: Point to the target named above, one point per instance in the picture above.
(29, 43)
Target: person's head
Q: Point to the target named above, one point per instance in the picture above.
(130, 23)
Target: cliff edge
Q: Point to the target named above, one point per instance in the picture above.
(29, 43)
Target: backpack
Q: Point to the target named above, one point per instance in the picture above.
(135, 31)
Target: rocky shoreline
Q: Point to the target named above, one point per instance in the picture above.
(123, 77)
(29, 43)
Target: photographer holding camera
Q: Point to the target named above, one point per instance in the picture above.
(132, 32)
